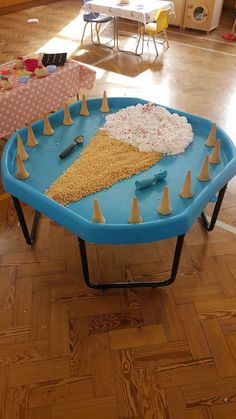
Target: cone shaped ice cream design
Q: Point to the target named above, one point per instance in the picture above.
(31, 142)
(215, 155)
(47, 129)
(104, 107)
(204, 173)
(97, 213)
(21, 149)
(187, 188)
(21, 172)
(101, 164)
(211, 140)
(135, 216)
(84, 109)
(165, 208)
(67, 118)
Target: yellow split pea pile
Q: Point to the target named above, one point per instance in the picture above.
(102, 163)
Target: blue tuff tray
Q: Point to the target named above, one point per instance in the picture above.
(45, 166)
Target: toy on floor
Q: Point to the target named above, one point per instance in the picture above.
(230, 36)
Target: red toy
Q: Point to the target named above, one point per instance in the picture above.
(230, 36)
(31, 64)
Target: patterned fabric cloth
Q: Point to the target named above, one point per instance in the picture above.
(25, 103)
(139, 10)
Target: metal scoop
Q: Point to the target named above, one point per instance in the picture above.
(78, 140)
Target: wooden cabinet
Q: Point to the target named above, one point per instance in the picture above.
(202, 14)
(177, 18)
(197, 14)
(7, 3)
(9, 6)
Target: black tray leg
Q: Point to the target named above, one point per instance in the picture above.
(29, 237)
(209, 226)
(153, 284)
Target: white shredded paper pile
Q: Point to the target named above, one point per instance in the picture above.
(150, 128)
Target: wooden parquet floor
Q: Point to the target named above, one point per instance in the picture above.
(68, 352)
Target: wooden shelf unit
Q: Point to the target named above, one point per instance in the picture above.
(11, 6)
(203, 15)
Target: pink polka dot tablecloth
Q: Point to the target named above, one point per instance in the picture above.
(25, 103)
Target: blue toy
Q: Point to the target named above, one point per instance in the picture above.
(144, 183)
(51, 68)
(24, 79)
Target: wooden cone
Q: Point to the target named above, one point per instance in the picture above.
(187, 188)
(97, 213)
(211, 139)
(47, 129)
(104, 107)
(67, 118)
(215, 155)
(21, 149)
(165, 208)
(135, 216)
(31, 142)
(84, 109)
(21, 172)
(204, 174)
